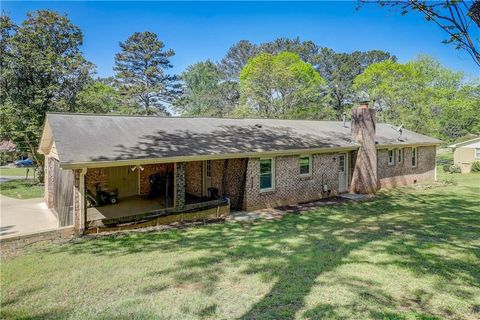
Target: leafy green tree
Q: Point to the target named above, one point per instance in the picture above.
(237, 57)
(141, 69)
(340, 70)
(7, 30)
(422, 95)
(44, 69)
(98, 97)
(206, 91)
(307, 50)
(281, 86)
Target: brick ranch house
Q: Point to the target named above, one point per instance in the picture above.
(253, 163)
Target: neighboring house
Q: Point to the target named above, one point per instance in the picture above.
(254, 163)
(465, 153)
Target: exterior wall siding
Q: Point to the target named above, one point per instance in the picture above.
(404, 173)
(290, 186)
(463, 157)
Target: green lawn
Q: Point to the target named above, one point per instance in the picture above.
(444, 156)
(411, 253)
(21, 172)
(21, 189)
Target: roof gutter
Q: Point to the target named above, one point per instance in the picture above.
(118, 163)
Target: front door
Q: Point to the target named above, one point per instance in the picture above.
(124, 179)
(342, 172)
(207, 176)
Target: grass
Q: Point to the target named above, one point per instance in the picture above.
(21, 189)
(20, 172)
(411, 253)
(444, 156)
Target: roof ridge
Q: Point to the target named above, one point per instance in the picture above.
(178, 117)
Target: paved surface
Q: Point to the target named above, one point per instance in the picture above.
(24, 216)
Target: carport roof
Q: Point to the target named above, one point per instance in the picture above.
(82, 138)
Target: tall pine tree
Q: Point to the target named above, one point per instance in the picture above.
(142, 76)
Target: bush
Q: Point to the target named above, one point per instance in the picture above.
(446, 167)
(475, 166)
(455, 169)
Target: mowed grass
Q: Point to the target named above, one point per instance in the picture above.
(22, 189)
(20, 172)
(410, 253)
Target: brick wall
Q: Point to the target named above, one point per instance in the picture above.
(290, 187)
(404, 173)
(94, 177)
(77, 221)
(150, 169)
(49, 181)
(193, 178)
(228, 176)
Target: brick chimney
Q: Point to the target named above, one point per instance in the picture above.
(364, 177)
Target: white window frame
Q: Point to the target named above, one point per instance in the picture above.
(391, 163)
(309, 173)
(414, 157)
(477, 153)
(208, 168)
(400, 155)
(272, 188)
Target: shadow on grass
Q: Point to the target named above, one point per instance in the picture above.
(296, 250)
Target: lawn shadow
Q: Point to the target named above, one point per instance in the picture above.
(294, 251)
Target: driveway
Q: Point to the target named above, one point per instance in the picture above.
(24, 216)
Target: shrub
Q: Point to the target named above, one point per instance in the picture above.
(475, 166)
(446, 167)
(455, 169)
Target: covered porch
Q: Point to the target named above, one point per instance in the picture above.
(151, 190)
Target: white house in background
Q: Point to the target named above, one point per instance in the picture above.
(465, 153)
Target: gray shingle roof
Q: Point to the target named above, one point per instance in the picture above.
(87, 138)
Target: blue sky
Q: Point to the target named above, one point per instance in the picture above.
(205, 30)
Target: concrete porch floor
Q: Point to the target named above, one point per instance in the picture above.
(126, 207)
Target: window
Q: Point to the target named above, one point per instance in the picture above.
(208, 168)
(266, 174)
(400, 155)
(391, 157)
(477, 153)
(414, 157)
(305, 165)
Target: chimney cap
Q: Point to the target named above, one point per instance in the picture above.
(364, 104)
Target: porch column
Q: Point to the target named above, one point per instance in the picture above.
(79, 201)
(179, 192)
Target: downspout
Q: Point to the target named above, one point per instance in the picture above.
(83, 212)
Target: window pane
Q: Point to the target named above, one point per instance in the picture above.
(341, 163)
(266, 174)
(304, 165)
(265, 166)
(265, 181)
(477, 154)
